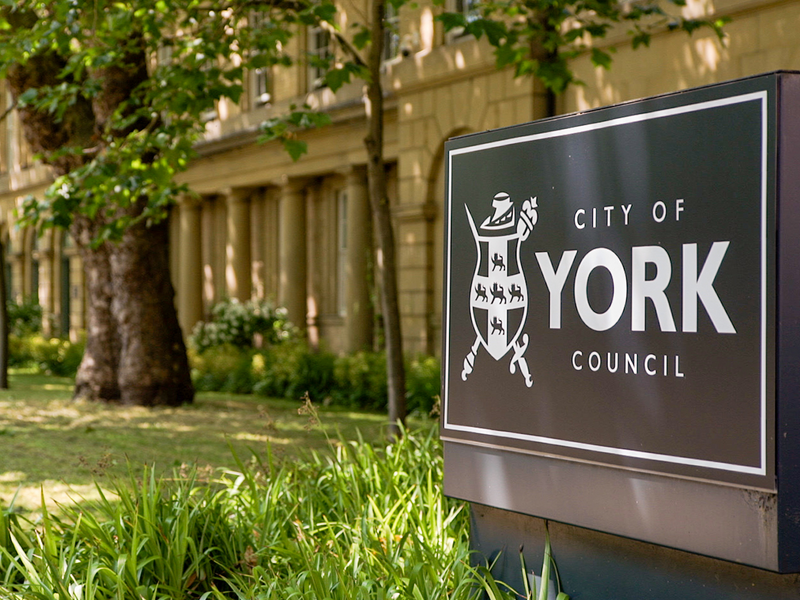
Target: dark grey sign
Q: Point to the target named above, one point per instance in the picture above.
(621, 345)
(607, 287)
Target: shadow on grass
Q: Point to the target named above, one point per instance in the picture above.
(49, 441)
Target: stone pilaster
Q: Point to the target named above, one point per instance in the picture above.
(77, 295)
(237, 248)
(358, 316)
(44, 255)
(17, 276)
(190, 267)
(292, 252)
(208, 235)
(257, 244)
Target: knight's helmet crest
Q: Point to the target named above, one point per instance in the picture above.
(499, 293)
(503, 216)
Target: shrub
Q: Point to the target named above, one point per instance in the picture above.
(423, 383)
(291, 369)
(242, 325)
(54, 356)
(361, 380)
(222, 368)
(20, 353)
(25, 318)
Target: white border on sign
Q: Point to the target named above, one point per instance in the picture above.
(761, 97)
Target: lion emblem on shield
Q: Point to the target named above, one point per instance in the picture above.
(499, 294)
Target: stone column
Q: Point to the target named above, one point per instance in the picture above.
(292, 252)
(45, 257)
(358, 319)
(237, 247)
(209, 236)
(77, 295)
(17, 276)
(190, 267)
(257, 243)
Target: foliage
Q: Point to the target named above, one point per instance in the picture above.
(242, 325)
(223, 368)
(291, 369)
(51, 356)
(540, 37)
(25, 318)
(355, 522)
(423, 383)
(144, 136)
(361, 380)
(284, 128)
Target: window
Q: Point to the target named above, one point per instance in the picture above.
(468, 8)
(164, 56)
(259, 77)
(341, 252)
(260, 82)
(391, 32)
(320, 51)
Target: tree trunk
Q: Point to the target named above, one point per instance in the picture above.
(543, 55)
(134, 347)
(382, 216)
(3, 320)
(153, 368)
(97, 373)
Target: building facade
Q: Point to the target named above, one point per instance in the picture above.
(299, 233)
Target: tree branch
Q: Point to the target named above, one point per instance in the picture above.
(8, 111)
(343, 43)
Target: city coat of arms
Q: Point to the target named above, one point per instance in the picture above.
(499, 293)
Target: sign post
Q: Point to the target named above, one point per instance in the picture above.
(621, 345)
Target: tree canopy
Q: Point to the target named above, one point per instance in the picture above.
(127, 87)
(540, 37)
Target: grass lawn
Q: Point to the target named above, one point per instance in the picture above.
(50, 443)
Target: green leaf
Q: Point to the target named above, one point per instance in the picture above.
(641, 39)
(295, 148)
(362, 38)
(336, 78)
(495, 31)
(28, 96)
(325, 11)
(601, 59)
(452, 21)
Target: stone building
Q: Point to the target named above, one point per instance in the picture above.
(299, 233)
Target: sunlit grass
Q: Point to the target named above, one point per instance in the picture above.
(49, 440)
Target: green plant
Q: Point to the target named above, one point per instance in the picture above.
(423, 383)
(242, 325)
(291, 369)
(353, 522)
(361, 380)
(25, 318)
(222, 368)
(52, 356)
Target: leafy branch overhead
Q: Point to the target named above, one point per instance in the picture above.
(540, 37)
(284, 128)
(125, 88)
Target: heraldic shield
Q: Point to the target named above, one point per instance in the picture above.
(499, 293)
(499, 299)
